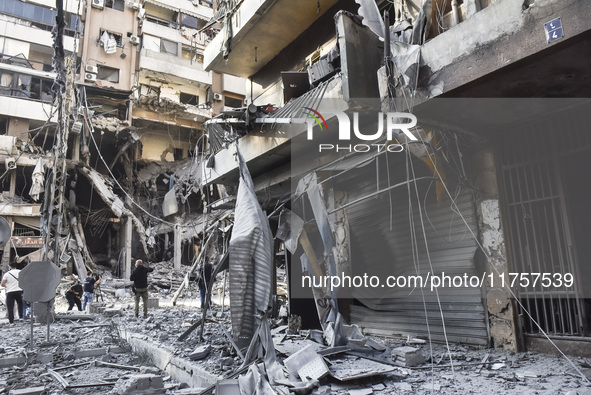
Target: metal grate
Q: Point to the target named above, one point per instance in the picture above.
(540, 236)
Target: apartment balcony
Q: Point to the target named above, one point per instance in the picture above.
(171, 31)
(260, 30)
(25, 92)
(177, 69)
(21, 210)
(30, 32)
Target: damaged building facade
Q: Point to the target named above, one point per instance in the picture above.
(136, 96)
(478, 192)
(151, 153)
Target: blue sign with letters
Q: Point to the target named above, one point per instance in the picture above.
(553, 30)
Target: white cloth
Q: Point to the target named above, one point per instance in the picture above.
(110, 46)
(11, 278)
(38, 176)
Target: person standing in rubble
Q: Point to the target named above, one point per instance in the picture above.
(73, 297)
(89, 283)
(204, 269)
(14, 293)
(139, 276)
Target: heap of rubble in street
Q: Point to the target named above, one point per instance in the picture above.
(109, 351)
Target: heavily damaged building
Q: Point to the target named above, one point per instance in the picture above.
(483, 188)
(136, 96)
(408, 169)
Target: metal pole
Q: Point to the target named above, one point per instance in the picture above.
(32, 319)
(48, 320)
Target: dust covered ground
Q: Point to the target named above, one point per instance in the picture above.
(85, 349)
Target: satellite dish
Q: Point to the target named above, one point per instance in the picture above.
(4, 232)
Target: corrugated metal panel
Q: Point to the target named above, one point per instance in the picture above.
(381, 242)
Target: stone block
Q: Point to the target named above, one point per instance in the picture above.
(141, 384)
(96, 308)
(407, 356)
(112, 311)
(28, 391)
(93, 352)
(200, 352)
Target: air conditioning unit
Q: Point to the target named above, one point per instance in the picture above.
(90, 77)
(10, 163)
(135, 40)
(98, 4)
(217, 96)
(133, 5)
(91, 69)
(77, 127)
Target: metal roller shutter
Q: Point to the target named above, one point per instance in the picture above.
(381, 242)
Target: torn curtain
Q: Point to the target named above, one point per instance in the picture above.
(251, 260)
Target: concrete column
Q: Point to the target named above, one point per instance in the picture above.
(7, 247)
(501, 316)
(76, 147)
(127, 245)
(177, 248)
(12, 189)
(340, 223)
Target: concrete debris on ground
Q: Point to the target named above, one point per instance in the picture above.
(112, 352)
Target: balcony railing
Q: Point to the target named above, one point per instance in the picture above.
(28, 83)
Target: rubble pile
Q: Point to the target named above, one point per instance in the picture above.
(109, 351)
(111, 124)
(86, 349)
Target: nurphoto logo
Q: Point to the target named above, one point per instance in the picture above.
(396, 123)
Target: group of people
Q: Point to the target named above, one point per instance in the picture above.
(81, 295)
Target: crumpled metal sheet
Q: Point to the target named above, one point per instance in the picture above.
(368, 9)
(327, 304)
(251, 260)
(289, 229)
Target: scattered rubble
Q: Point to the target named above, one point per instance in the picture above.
(112, 352)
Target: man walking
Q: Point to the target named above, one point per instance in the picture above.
(139, 276)
(89, 283)
(205, 269)
(13, 292)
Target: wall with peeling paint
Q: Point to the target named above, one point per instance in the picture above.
(500, 309)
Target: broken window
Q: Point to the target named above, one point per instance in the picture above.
(169, 47)
(108, 74)
(190, 53)
(161, 15)
(232, 102)
(178, 154)
(187, 98)
(117, 37)
(190, 21)
(147, 90)
(118, 5)
(41, 89)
